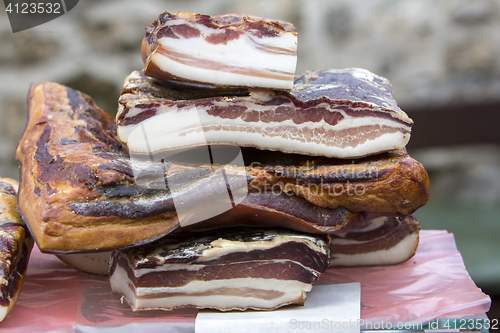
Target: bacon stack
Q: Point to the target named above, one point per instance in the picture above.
(220, 169)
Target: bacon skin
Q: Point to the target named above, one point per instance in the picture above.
(68, 149)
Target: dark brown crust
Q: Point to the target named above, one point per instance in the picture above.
(393, 182)
(15, 245)
(69, 148)
(292, 191)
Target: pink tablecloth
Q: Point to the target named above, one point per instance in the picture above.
(434, 283)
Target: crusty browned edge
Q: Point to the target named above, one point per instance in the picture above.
(44, 196)
(396, 183)
(13, 229)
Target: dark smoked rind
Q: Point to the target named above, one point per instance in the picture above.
(15, 247)
(317, 195)
(68, 150)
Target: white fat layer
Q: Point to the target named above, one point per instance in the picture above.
(252, 283)
(372, 225)
(249, 48)
(3, 312)
(399, 253)
(226, 78)
(222, 302)
(384, 142)
(186, 129)
(221, 247)
(247, 53)
(121, 284)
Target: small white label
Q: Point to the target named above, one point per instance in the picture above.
(327, 308)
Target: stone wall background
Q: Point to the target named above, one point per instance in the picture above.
(435, 53)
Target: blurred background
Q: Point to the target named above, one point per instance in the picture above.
(442, 58)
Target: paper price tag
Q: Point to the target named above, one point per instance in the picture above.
(327, 308)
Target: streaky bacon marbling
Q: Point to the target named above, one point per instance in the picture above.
(228, 269)
(229, 50)
(346, 113)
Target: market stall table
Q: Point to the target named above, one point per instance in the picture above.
(433, 284)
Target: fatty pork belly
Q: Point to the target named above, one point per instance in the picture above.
(224, 270)
(346, 113)
(382, 241)
(15, 247)
(80, 190)
(225, 51)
